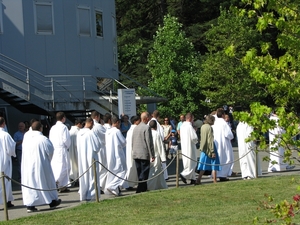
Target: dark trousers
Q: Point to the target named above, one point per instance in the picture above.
(143, 168)
(19, 158)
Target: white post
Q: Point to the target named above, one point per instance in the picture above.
(52, 89)
(28, 85)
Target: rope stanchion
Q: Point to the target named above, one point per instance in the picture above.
(95, 181)
(4, 196)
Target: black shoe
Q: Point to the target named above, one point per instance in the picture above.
(31, 209)
(9, 204)
(64, 190)
(130, 189)
(102, 192)
(222, 179)
(183, 179)
(54, 203)
(193, 182)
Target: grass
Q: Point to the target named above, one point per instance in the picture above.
(233, 202)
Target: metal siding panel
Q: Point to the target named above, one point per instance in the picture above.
(55, 45)
(12, 39)
(73, 65)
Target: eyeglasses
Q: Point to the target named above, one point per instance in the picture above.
(166, 120)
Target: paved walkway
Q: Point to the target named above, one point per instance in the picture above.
(71, 198)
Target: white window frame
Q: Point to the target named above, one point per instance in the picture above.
(80, 7)
(100, 12)
(37, 3)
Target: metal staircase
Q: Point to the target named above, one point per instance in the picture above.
(32, 92)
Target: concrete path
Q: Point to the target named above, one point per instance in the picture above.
(71, 198)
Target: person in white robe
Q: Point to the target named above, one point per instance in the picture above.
(276, 151)
(100, 130)
(7, 145)
(88, 146)
(37, 171)
(249, 161)
(131, 173)
(222, 139)
(160, 156)
(116, 160)
(189, 139)
(73, 154)
(60, 137)
(160, 130)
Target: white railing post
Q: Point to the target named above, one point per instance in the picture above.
(52, 89)
(28, 84)
(83, 87)
(110, 101)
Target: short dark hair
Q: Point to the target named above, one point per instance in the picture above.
(36, 125)
(133, 119)
(60, 116)
(94, 114)
(106, 117)
(220, 112)
(114, 119)
(77, 121)
(2, 120)
(89, 120)
(153, 124)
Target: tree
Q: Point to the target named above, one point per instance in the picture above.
(224, 79)
(172, 63)
(280, 75)
(137, 22)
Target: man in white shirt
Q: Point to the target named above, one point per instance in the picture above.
(36, 170)
(116, 159)
(7, 145)
(73, 154)
(60, 137)
(189, 151)
(222, 140)
(100, 130)
(88, 146)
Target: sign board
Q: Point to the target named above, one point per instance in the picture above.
(126, 102)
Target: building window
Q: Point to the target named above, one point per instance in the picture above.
(114, 29)
(84, 21)
(1, 19)
(44, 22)
(99, 24)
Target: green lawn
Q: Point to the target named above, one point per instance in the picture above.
(233, 202)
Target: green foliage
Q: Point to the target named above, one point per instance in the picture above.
(172, 63)
(279, 74)
(137, 22)
(224, 79)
